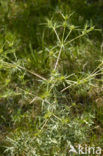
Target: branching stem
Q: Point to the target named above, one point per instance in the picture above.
(58, 58)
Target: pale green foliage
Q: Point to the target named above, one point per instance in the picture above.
(51, 71)
(56, 127)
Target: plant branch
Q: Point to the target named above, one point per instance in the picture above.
(58, 58)
(33, 73)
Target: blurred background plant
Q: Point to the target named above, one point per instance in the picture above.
(51, 72)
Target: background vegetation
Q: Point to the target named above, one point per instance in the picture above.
(51, 73)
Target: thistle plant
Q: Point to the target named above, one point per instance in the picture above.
(48, 100)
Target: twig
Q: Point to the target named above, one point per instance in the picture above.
(58, 59)
(33, 73)
(56, 35)
(77, 37)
